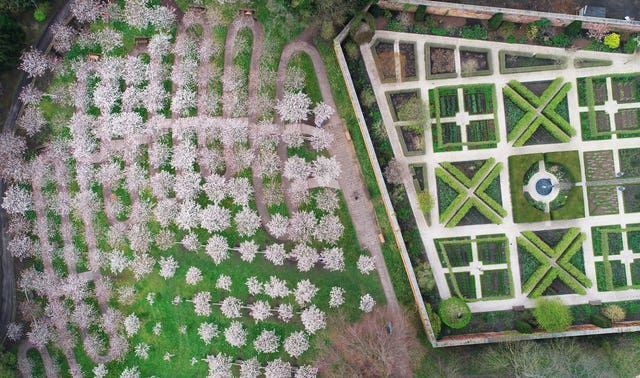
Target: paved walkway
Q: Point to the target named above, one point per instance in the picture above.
(620, 64)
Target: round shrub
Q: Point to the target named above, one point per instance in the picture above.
(39, 14)
(454, 312)
(553, 315)
(522, 326)
(614, 312)
(612, 40)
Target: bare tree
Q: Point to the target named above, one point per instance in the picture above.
(366, 348)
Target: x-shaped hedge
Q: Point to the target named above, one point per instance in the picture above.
(540, 112)
(471, 193)
(554, 262)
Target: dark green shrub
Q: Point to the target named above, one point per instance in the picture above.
(495, 21)
(424, 276)
(454, 312)
(562, 40)
(439, 31)
(11, 42)
(600, 320)
(376, 11)
(522, 326)
(436, 322)
(421, 13)
(474, 32)
(573, 29)
(542, 23)
(553, 315)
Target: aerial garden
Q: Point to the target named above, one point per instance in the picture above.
(528, 156)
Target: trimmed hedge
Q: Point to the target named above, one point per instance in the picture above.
(533, 238)
(436, 322)
(567, 239)
(525, 93)
(485, 197)
(600, 320)
(544, 283)
(571, 283)
(495, 21)
(454, 312)
(452, 169)
(573, 29)
(522, 326)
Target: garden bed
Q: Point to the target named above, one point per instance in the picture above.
(630, 162)
(603, 200)
(599, 165)
(475, 62)
(408, 61)
(383, 52)
(517, 62)
(631, 198)
(440, 61)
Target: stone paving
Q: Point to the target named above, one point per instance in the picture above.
(621, 64)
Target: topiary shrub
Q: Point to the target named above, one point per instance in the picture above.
(454, 312)
(614, 312)
(573, 29)
(434, 319)
(600, 321)
(495, 21)
(552, 315)
(612, 40)
(522, 326)
(421, 13)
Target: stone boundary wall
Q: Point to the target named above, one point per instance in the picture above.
(458, 340)
(514, 15)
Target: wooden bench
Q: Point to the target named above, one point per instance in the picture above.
(141, 41)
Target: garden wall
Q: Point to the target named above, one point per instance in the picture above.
(514, 15)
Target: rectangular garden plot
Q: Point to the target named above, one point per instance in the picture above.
(471, 109)
(631, 198)
(477, 263)
(603, 200)
(617, 267)
(440, 61)
(630, 162)
(385, 60)
(599, 165)
(475, 62)
(407, 61)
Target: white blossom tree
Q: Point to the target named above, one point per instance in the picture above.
(34, 62)
(333, 259)
(296, 168)
(254, 286)
(304, 292)
(326, 170)
(231, 307)
(296, 344)
(190, 242)
(131, 324)
(214, 218)
(193, 276)
(130, 372)
(247, 222)
(208, 331)
(62, 37)
(275, 253)
(367, 302)
(142, 350)
(294, 107)
(248, 250)
(250, 368)
(327, 200)
(336, 297)
(285, 312)
(224, 282)
(278, 225)
(306, 371)
(202, 303)
(329, 229)
(240, 190)
(277, 369)
(14, 331)
(313, 319)
(276, 288)
(236, 335)
(366, 264)
(168, 267)
(16, 200)
(32, 120)
(322, 112)
(260, 311)
(219, 365)
(86, 11)
(189, 215)
(267, 342)
(218, 249)
(321, 140)
(306, 256)
(30, 94)
(302, 225)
